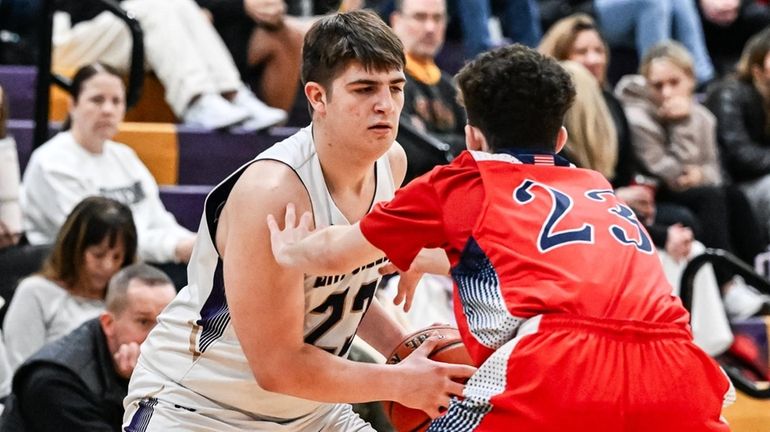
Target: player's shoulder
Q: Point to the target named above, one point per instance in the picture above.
(268, 180)
(464, 163)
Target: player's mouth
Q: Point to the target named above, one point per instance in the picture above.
(381, 127)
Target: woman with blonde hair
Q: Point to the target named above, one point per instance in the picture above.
(593, 141)
(577, 38)
(675, 141)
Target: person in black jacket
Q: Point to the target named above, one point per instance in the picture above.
(430, 97)
(78, 382)
(741, 104)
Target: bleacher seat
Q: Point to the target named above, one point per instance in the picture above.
(176, 154)
(185, 203)
(19, 83)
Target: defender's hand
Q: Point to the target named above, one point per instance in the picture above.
(282, 241)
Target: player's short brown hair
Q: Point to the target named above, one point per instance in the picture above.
(336, 40)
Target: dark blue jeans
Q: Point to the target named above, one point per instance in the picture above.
(519, 19)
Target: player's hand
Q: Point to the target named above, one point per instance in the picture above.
(429, 385)
(125, 359)
(282, 241)
(407, 284)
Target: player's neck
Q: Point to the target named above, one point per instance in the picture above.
(351, 184)
(352, 191)
(343, 170)
(342, 176)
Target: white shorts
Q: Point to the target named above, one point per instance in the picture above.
(173, 408)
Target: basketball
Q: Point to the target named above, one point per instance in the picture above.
(450, 349)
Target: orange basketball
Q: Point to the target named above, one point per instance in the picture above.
(450, 349)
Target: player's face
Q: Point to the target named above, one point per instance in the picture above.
(143, 305)
(364, 107)
(102, 261)
(667, 80)
(589, 50)
(421, 26)
(99, 109)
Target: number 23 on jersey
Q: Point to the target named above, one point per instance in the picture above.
(627, 230)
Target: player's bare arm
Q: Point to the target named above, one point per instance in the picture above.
(333, 250)
(266, 302)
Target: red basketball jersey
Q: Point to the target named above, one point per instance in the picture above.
(526, 235)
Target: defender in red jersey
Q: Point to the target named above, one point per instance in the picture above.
(559, 294)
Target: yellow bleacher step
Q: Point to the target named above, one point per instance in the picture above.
(157, 146)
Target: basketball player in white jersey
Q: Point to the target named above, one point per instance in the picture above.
(250, 345)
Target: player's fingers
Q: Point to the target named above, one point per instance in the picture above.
(408, 303)
(428, 345)
(306, 221)
(398, 298)
(461, 371)
(406, 287)
(272, 225)
(291, 215)
(440, 408)
(387, 269)
(455, 388)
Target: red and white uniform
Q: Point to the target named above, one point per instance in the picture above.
(559, 296)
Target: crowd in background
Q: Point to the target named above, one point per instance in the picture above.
(672, 107)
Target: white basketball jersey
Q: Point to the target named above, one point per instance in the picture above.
(194, 344)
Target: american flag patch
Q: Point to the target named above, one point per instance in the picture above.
(543, 159)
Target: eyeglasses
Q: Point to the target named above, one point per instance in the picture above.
(423, 17)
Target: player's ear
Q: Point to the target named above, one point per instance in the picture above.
(316, 96)
(474, 139)
(561, 139)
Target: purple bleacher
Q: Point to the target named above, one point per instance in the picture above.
(19, 82)
(185, 203)
(207, 158)
(755, 329)
(23, 132)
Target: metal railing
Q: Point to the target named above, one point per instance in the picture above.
(45, 77)
(727, 261)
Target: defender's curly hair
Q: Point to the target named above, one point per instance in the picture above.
(516, 96)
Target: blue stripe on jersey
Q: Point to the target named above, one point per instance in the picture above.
(141, 418)
(478, 286)
(462, 416)
(215, 316)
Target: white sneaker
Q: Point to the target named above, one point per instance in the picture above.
(261, 115)
(741, 300)
(212, 111)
